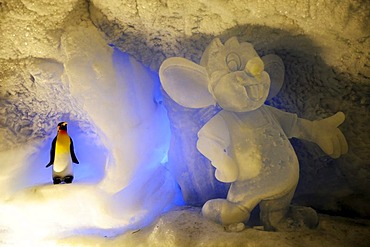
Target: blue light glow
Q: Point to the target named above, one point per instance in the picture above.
(129, 148)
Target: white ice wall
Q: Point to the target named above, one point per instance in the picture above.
(113, 107)
(325, 49)
(324, 45)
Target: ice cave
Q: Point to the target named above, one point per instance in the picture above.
(169, 150)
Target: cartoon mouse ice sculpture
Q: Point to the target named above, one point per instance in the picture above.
(247, 141)
(62, 155)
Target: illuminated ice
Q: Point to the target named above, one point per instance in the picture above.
(247, 141)
(121, 182)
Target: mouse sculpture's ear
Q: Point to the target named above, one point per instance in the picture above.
(274, 66)
(185, 82)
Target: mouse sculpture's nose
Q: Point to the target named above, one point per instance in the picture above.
(255, 67)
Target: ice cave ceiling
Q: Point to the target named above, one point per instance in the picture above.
(324, 45)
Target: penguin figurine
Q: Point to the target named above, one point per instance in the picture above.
(62, 155)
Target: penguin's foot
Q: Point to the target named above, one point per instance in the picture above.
(57, 180)
(68, 179)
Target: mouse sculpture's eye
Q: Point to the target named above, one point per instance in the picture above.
(233, 62)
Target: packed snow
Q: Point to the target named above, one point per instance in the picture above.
(56, 66)
(121, 182)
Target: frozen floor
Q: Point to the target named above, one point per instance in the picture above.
(40, 215)
(186, 227)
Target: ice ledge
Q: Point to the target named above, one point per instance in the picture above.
(186, 227)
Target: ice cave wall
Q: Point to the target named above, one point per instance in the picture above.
(325, 48)
(324, 45)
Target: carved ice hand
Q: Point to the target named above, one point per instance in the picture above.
(329, 137)
(325, 133)
(226, 169)
(213, 142)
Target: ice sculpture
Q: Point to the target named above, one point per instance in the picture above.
(247, 141)
(62, 155)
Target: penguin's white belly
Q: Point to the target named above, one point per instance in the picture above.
(62, 165)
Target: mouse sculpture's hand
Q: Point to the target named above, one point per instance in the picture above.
(328, 136)
(226, 169)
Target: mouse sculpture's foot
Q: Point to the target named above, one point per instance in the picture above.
(298, 217)
(225, 212)
(303, 217)
(68, 179)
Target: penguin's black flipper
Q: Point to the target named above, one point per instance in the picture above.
(52, 152)
(73, 155)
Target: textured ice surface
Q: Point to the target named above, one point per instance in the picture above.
(31, 33)
(187, 227)
(121, 139)
(41, 214)
(247, 142)
(327, 70)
